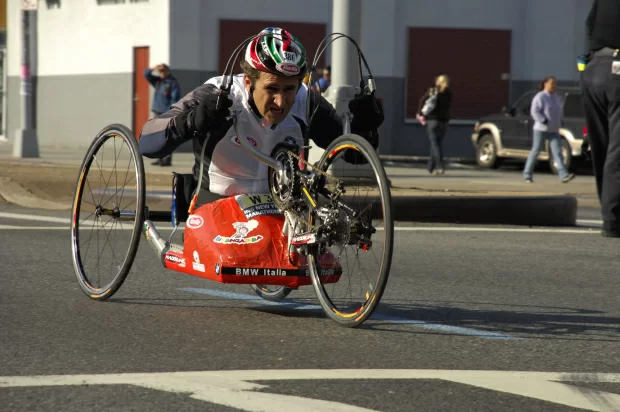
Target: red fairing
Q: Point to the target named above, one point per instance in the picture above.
(239, 240)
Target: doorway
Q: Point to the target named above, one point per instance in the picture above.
(140, 89)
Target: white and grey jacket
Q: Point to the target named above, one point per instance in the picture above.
(229, 169)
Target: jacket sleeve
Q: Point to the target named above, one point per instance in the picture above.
(149, 77)
(324, 124)
(536, 111)
(161, 135)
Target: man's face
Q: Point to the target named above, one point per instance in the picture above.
(274, 96)
(326, 74)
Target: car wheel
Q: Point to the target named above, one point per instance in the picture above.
(566, 156)
(486, 152)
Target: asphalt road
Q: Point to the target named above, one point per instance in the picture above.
(464, 307)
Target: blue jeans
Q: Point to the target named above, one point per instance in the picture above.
(436, 131)
(556, 152)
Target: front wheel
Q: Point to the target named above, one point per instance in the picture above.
(350, 273)
(108, 212)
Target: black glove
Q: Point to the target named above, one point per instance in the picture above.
(367, 113)
(205, 116)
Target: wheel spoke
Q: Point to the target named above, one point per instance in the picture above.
(103, 276)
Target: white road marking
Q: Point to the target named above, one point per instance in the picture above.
(396, 229)
(36, 218)
(236, 389)
(589, 222)
(166, 226)
(492, 229)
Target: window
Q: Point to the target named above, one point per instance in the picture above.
(573, 106)
(523, 104)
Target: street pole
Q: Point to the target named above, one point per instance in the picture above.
(26, 144)
(346, 19)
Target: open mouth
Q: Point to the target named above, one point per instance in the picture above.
(277, 112)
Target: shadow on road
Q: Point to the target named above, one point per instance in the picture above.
(520, 321)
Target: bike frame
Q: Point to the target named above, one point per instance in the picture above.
(307, 178)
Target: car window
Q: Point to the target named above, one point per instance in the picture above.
(573, 106)
(522, 106)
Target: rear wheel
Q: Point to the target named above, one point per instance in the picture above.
(108, 212)
(362, 238)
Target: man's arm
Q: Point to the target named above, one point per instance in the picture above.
(149, 77)
(325, 125)
(161, 135)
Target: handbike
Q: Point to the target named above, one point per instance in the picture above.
(293, 236)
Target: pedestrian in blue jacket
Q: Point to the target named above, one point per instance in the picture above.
(167, 92)
(546, 110)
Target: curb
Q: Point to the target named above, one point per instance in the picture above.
(506, 210)
(13, 192)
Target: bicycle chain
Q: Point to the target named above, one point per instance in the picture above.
(287, 208)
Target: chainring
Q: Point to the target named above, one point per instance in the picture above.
(292, 204)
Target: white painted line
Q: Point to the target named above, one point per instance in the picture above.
(491, 229)
(589, 222)
(166, 226)
(68, 228)
(396, 229)
(37, 218)
(236, 388)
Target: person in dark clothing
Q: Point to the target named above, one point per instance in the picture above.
(600, 86)
(167, 92)
(434, 113)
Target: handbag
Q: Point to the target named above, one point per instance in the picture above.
(429, 103)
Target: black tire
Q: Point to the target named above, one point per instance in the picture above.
(85, 280)
(271, 293)
(567, 157)
(486, 152)
(372, 297)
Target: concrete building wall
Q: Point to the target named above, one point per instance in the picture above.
(194, 30)
(84, 66)
(84, 71)
(546, 38)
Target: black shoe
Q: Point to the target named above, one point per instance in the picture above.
(166, 161)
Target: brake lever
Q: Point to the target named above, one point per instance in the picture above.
(224, 90)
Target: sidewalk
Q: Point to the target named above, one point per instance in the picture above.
(463, 194)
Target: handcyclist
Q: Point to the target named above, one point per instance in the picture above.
(271, 100)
